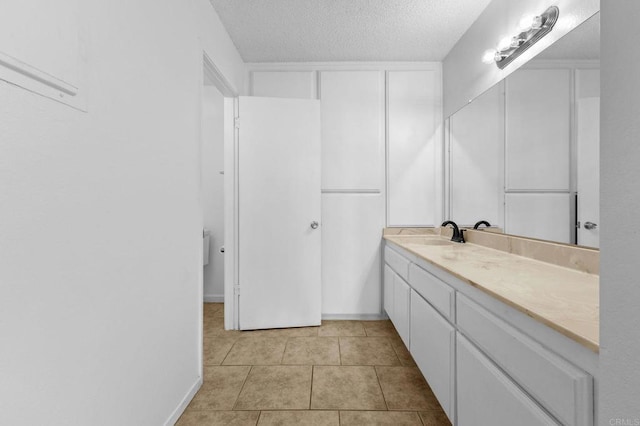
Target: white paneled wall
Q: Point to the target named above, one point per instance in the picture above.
(374, 117)
(546, 216)
(291, 84)
(413, 135)
(352, 130)
(477, 160)
(587, 117)
(351, 233)
(512, 151)
(538, 105)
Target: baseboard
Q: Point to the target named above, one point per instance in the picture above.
(175, 415)
(213, 298)
(357, 317)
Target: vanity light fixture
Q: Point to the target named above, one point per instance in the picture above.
(530, 30)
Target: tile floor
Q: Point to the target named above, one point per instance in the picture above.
(341, 373)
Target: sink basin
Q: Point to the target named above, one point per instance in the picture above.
(422, 240)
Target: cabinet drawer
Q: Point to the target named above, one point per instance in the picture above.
(488, 397)
(564, 390)
(397, 262)
(439, 294)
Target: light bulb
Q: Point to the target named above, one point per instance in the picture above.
(489, 56)
(525, 23)
(504, 44)
(516, 41)
(537, 22)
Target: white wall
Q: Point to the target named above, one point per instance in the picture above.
(619, 209)
(213, 190)
(100, 254)
(217, 44)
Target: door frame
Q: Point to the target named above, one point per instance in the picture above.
(213, 76)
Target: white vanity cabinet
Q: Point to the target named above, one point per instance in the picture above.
(486, 396)
(486, 362)
(433, 347)
(401, 307)
(387, 284)
(397, 293)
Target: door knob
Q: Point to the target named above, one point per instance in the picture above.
(314, 225)
(590, 225)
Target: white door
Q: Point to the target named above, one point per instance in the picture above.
(588, 117)
(279, 213)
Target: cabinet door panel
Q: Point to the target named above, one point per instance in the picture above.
(487, 397)
(432, 347)
(351, 254)
(352, 129)
(401, 308)
(413, 103)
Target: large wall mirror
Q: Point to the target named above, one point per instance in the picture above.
(525, 154)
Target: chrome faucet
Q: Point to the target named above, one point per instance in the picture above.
(481, 222)
(457, 233)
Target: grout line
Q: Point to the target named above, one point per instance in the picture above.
(241, 389)
(420, 418)
(228, 352)
(380, 385)
(311, 389)
(394, 350)
(284, 350)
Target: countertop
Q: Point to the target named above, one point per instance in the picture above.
(564, 299)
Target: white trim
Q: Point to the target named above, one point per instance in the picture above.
(386, 166)
(213, 298)
(40, 76)
(351, 191)
(213, 76)
(357, 317)
(342, 66)
(439, 149)
(230, 214)
(175, 414)
(561, 63)
(18, 73)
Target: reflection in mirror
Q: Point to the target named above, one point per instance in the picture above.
(525, 154)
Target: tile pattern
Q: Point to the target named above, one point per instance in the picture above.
(341, 373)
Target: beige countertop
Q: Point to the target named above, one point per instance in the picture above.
(565, 299)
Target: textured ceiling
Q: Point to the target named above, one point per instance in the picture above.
(581, 43)
(346, 30)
